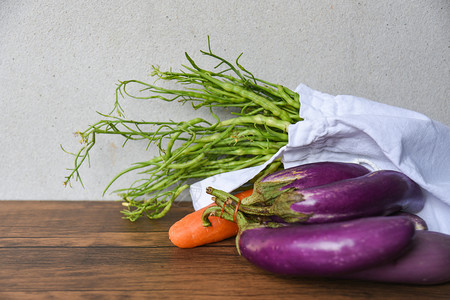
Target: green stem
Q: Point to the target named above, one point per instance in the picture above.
(260, 112)
(255, 98)
(258, 119)
(253, 210)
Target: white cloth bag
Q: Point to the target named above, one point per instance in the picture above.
(352, 129)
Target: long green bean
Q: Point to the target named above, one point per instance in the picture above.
(260, 113)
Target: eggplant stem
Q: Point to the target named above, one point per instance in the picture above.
(248, 209)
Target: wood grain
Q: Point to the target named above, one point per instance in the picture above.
(85, 250)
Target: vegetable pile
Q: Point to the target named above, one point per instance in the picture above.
(321, 219)
(259, 115)
(336, 220)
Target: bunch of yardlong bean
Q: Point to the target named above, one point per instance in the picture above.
(260, 115)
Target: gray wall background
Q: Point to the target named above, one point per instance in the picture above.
(60, 62)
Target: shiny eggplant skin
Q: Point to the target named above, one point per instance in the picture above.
(419, 223)
(378, 193)
(427, 262)
(303, 176)
(319, 173)
(326, 249)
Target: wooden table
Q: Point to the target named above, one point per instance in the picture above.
(80, 250)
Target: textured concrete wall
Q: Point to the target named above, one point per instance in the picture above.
(60, 62)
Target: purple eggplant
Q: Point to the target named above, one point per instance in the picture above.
(426, 262)
(318, 173)
(375, 194)
(326, 249)
(418, 222)
(303, 176)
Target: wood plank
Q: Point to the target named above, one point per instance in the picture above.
(79, 250)
(78, 216)
(170, 271)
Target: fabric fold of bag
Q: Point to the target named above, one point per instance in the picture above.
(346, 128)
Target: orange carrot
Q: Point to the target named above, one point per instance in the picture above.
(189, 231)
